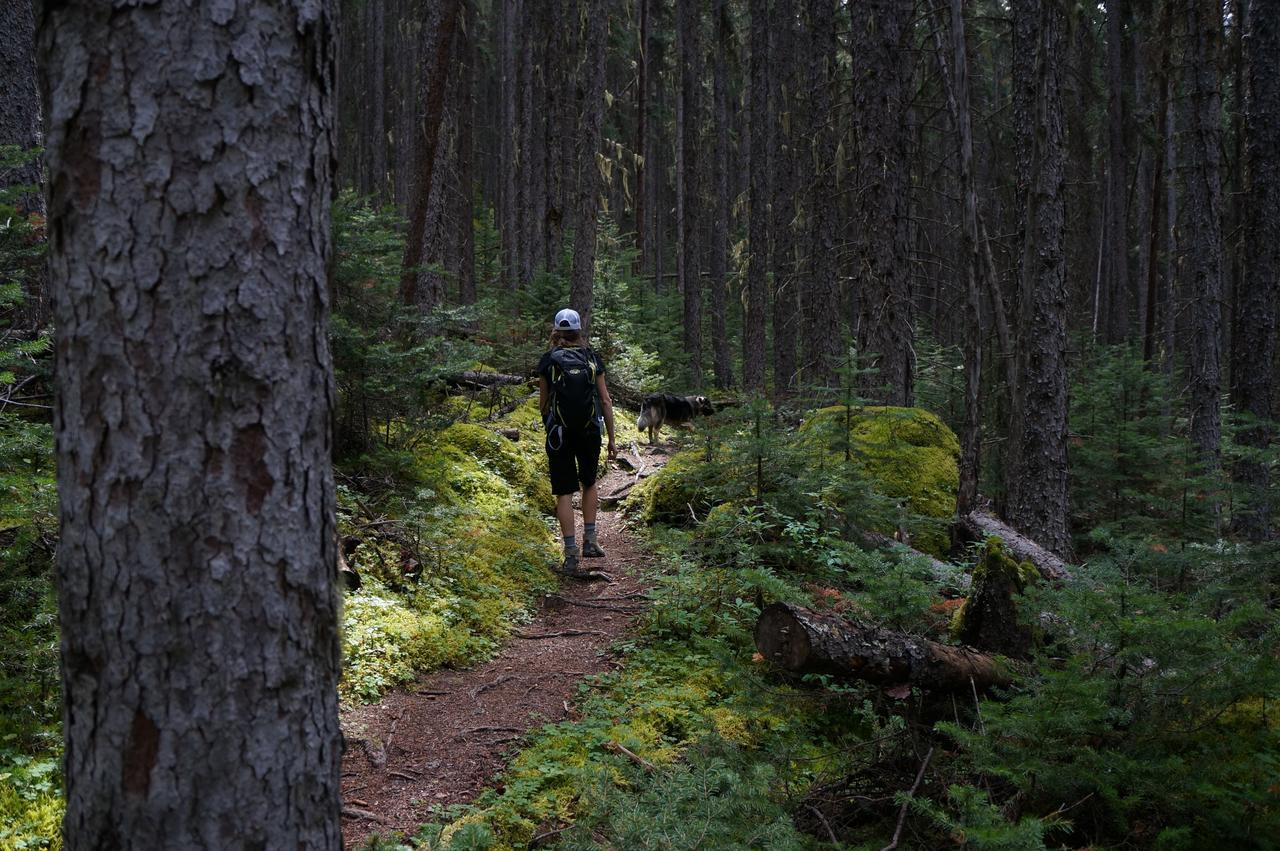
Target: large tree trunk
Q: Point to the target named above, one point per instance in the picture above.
(1037, 473)
(584, 239)
(1254, 346)
(190, 237)
(882, 90)
(1116, 246)
(1202, 227)
(753, 337)
(438, 49)
(808, 642)
(719, 263)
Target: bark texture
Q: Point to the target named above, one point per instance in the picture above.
(978, 525)
(1202, 226)
(718, 267)
(882, 89)
(1037, 469)
(689, 178)
(805, 641)
(188, 248)
(783, 81)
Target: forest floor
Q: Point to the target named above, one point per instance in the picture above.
(441, 741)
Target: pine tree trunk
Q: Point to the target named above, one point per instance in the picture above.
(378, 100)
(787, 187)
(882, 90)
(19, 97)
(189, 245)
(689, 180)
(466, 157)
(759, 170)
(1116, 281)
(1202, 33)
(582, 283)
(507, 130)
(1037, 475)
(1254, 347)
(437, 52)
(642, 135)
(719, 263)
(823, 337)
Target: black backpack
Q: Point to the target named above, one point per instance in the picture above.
(572, 380)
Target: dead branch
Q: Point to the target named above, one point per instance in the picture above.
(902, 814)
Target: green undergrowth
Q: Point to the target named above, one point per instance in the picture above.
(463, 550)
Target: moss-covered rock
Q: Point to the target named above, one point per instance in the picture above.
(988, 619)
(908, 453)
(515, 463)
(683, 485)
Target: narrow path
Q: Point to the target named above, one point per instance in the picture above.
(442, 741)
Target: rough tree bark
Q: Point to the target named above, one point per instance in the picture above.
(1254, 346)
(689, 181)
(189, 242)
(437, 52)
(882, 65)
(1116, 281)
(718, 267)
(810, 642)
(1036, 476)
(1202, 226)
(507, 130)
(753, 337)
(823, 337)
(582, 283)
(466, 157)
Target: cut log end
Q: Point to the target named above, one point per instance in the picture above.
(782, 639)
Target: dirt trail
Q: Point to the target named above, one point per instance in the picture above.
(442, 741)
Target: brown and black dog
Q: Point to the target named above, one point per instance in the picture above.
(662, 408)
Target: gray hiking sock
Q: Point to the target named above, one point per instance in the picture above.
(570, 544)
(589, 532)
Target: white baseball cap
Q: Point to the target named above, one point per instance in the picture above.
(567, 320)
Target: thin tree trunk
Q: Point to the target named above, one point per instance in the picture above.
(582, 284)
(1116, 280)
(753, 336)
(439, 47)
(378, 101)
(642, 136)
(1037, 476)
(19, 98)
(719, 264)
(783, 82)
(1254, 347)
(507, 129)
(689, 181)
(196, 557)
(466, 157)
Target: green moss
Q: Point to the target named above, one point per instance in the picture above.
(683, 484)
(909, 453)
(31, 821)
(989, 617)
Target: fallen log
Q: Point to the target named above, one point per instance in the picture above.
(941, 571)
(980, 525)
(809, 642)
(484, 379)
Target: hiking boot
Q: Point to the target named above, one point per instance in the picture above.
(570, 566)
(590, 549)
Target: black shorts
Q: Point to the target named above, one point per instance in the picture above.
(574, 460)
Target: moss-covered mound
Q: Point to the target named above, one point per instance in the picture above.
(680, 490)
(909, 453)
(460, 565)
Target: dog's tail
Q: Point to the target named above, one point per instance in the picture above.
(645, 418)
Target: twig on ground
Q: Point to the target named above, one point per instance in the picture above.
(540, 838)
(562, 634)
(352, 812)
(817, 812)
(403, 776)
(631, 755)
(483, 687)
(902, 813)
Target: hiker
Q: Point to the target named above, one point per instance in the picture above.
(574, 402)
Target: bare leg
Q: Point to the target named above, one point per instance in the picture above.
(564, 512)
(590, 498)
